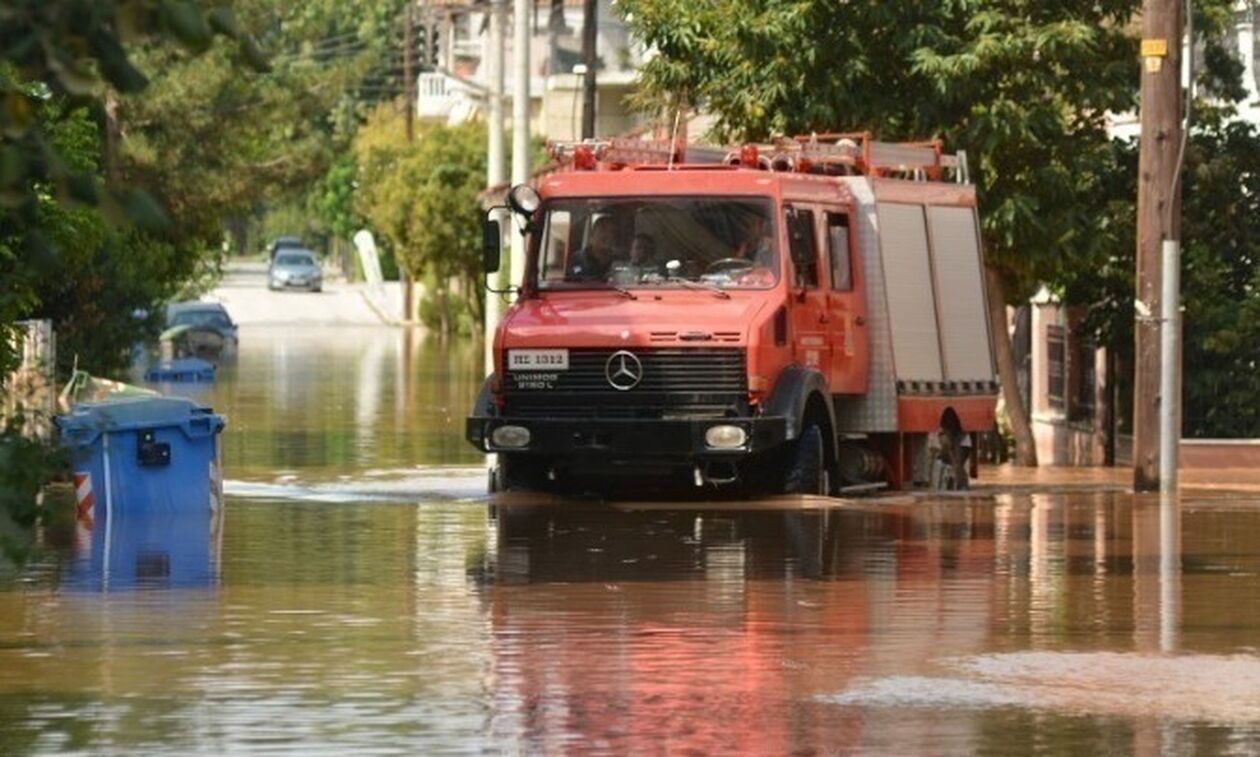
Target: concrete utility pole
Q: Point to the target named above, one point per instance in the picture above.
(409, 74)
(409, 118)
(590, 28)
(520, 121)
(1158, 221)
(495, 174)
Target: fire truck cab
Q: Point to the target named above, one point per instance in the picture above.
(807, 316)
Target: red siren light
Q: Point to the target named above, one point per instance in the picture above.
(584, 157)
(749, 156)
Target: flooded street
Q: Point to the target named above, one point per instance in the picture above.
(362, 593)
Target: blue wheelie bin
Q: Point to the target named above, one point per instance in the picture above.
(144, 455)
(128, 552)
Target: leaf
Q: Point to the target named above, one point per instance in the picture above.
(17, 113)
(12, 166)
(81, 187)
(115, 65)
(72, 75)
(254, 56)
(223, 21)
(185, 20)
(142, 210)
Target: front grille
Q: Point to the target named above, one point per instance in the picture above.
(701, 382)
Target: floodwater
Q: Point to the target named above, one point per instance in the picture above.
(361, 594)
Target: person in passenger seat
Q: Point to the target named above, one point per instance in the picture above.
(643, 254)
(755, 246)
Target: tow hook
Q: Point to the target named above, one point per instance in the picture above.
(716, 473)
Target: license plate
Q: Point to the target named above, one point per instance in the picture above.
(538, 360)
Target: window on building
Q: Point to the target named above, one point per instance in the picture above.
(1056, 366)
(1084, 379)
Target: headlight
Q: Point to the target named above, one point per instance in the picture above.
(512, 437)
(725, 437)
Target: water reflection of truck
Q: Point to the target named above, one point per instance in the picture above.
(802, 317)
(630, 629)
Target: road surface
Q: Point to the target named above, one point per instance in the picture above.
(244, 292)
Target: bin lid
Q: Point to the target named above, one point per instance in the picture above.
(133, 412)
(183, 369)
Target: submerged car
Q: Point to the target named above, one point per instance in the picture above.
(199, 329)
(295, 269)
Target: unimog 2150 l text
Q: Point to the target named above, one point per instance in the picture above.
(807, 316)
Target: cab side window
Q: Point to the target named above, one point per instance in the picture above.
(838, 252)
(804, 249)
(556, 246)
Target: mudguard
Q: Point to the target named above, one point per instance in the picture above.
(792, 391)
(483, 407)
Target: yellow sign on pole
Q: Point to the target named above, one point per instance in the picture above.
(1154, 48)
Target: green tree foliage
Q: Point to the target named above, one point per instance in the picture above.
(248, 145)
(1220, 273)
(422, 197)
(335, 202)
(58, 59)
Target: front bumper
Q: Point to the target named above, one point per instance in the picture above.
(296, 283)
(673, 440)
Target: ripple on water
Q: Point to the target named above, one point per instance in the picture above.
(1222, 689)
(402, 486)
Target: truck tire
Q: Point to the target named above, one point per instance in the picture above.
(949, 471)
(806, 470)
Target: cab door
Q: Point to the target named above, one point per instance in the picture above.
(811, 343)
(846, 304)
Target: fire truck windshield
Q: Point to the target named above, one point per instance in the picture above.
(728, 242)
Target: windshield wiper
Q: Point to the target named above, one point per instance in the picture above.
(719, 291)
(622, 290)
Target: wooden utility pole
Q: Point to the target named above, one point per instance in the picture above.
(590, 27)
(1158, 219)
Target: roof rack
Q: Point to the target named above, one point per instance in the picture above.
(617, 152)
(839, 154)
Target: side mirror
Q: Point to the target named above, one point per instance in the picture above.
(491, 245)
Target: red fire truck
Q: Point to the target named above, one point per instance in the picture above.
(802, 316)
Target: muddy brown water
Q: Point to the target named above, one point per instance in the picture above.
(362, 594)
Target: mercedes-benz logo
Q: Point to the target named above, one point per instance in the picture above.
(623, 370)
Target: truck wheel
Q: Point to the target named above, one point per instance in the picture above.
(949, 471)
(806, 471)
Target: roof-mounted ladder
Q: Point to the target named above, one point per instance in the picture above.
(854, 154)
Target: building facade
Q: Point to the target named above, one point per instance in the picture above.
(457, 88)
